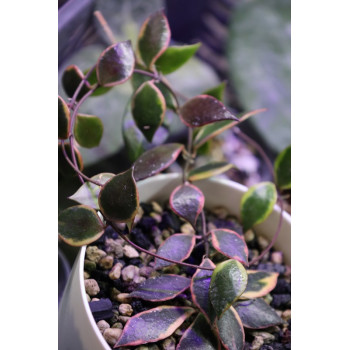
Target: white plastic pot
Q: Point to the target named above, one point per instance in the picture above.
(77, 329)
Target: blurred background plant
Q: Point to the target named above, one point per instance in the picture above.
(243, 42)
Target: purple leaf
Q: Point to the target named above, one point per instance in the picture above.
(156, 160)
(153, 325)
(187, 201)
(257, 314)
(200, 287)
(198, 337)
(202, 110)
(161, 288)
(230, 244)
(177, 247)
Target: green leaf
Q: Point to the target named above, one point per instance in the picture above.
(116, 64)
(202, 110)
(71, 79)
(198, 337)
(133, 140)
(79, 225)
(217, 91)
(257, 204)
(88, 193)
(283, 169)
(187, 201)
(148, 109)
(231, 330)
(200, 287)
(164, 287)
(63, 167)
(257, 314)
(156, 160)
(63, 119)
(119, 198)
(259, 284)
(153, 325)
(259, 59)
(208, 170)
(177, 247)
(174, 57)
(92, 79)
(228, 282)
(88, 130)
(154, 38)
(230, 244)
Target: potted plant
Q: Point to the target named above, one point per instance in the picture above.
(220, 297)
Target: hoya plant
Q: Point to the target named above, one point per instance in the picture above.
(226, 297)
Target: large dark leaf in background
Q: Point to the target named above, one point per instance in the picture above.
(259, 59)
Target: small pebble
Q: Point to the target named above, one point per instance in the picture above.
(95, 299)
(145, 271)
(86, 275)
(106, 262)
(169, 344)
(257, 343)
(165, 234)
(249, 236)
(94, 254)
(117, 325)
(130, 252)
(89, 265)
(139, 215)
(114, 292)
(130, 272)
(286, 315)
(158, 240)
(115, 272)
(156, 217)
(111, 335)
(91, 287)
(124, 319)
(187, 228)
(102, 325)
(156, 207)
(263, 242)
(277, 257)
(124, 298)
(115, 247)
(267, 337)
(139, 279)
(125, 309)
(220, 212)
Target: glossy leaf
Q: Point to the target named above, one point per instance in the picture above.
(204, 109)
(161, 288)
(119, 198)
(156, 160)
(257, 314)
(88, 130)
(71, 79)
(209, 131)
(79, 225)
(63, 119)
(198, 337)
(116, 64)
(154, 38)
(259, 284)
(228, 282)
(153, 325)
(133, 140)
(231, 330)
(257, 204)
(187, 201)
(217, 91)
(92, 79)
(200, 287)
(63, 167)
(177, 247)
(208, 170)
(174, 57)
(283, 169)
(230, 244)
(88, 193)
(148, 109)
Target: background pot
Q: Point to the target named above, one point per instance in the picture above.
(77, 329)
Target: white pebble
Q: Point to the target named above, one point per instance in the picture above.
(130, 252)
(102, 325)
(111, 335)
(91, 287)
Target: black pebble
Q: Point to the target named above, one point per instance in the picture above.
(282, 287)
(271, 267)
(135, 261)
(100, 275)
(146, 223)
(138, 306)
(101, 309)
(169, 220)
(147, 208)
(138, 237)
(281, 301)
(110, 233)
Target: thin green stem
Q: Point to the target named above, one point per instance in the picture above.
(126, 239)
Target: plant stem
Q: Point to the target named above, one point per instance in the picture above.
(189, 155)
(75, 167)
(126, 239)
(204, 233)
(105, 27)
(273, 241)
